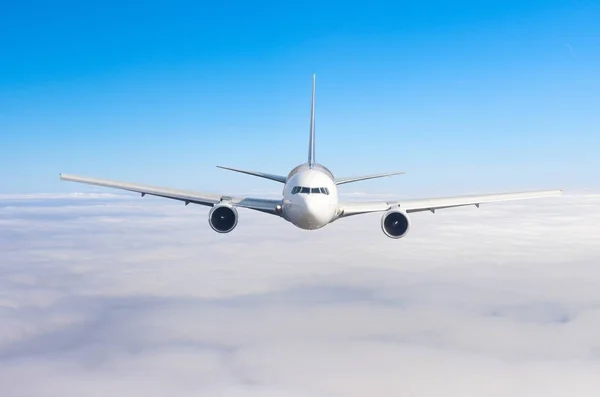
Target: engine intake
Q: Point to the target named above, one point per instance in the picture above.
(395, 224)
(223, 218)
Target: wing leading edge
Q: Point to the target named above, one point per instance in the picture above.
(433, 204)
(187, 196)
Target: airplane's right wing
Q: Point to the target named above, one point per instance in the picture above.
(258, 204)
(433, 204)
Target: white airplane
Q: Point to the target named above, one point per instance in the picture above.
(310, 197)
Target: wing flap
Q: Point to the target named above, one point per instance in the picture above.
(262, 205)
(357, 208)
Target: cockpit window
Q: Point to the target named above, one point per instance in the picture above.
(310, 190)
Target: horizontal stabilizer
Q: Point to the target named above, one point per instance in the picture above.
(272, 177)
(341, 181)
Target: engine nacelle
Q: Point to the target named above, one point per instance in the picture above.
(223, 218)
(395, 223)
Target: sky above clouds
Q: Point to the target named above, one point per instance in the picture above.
(462, 94)
(117, 295)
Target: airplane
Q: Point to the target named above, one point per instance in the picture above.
(310, 198)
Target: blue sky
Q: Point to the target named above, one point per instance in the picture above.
(464, 96)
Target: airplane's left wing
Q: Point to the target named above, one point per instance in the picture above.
(258, 204)
(412, 205)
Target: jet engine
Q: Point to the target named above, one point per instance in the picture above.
(223, 218)
(395, 223)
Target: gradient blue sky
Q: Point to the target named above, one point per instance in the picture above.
(465, 95)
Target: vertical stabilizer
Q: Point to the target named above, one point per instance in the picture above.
(311, 143)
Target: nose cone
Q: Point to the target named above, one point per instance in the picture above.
(316, 212)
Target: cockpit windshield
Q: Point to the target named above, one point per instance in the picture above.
(310, 190)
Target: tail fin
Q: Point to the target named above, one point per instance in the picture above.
(311, 143)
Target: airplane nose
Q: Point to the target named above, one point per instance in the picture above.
(310, 205)
(315, 212)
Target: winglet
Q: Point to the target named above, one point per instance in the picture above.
(311, 142)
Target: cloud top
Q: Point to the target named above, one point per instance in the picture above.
(103, 295)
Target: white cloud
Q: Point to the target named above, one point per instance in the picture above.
(119, 296)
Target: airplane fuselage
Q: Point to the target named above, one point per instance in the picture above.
(310, 197)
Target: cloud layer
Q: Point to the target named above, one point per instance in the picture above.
(110, 295)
